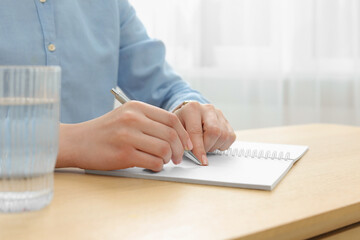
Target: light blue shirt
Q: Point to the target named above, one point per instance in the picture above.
(99, 45)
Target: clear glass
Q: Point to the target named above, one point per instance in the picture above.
(29, 135)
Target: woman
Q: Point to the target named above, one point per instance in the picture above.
(100, 45)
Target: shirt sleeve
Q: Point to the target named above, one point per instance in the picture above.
(144, 74)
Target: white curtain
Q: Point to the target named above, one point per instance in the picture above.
(265, 62)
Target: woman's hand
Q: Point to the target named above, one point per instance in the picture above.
(208, 128)
(135, 134)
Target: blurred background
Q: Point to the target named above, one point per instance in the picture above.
(265, 62)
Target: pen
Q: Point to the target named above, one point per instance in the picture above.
(122, 98)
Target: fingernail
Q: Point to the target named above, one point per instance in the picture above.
(177, 161)
(204, 160)
(189, 145)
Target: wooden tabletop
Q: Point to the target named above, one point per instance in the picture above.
(319, 194)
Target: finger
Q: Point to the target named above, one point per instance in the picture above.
(232, 136)
(168, 134)
(230, 140)
(169, 119)
(190, 115)
(211, 128)
(145, 160)
(227, 134)
(151, 145)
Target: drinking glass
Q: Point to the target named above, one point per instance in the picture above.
(29, 132)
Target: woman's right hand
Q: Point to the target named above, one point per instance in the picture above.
(133, 135)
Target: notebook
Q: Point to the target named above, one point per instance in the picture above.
(243, 165)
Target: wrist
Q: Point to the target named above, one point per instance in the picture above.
(182, 105)
(67, 152)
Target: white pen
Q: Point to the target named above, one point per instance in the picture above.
(122, 98)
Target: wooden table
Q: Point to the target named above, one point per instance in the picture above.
(321, 193)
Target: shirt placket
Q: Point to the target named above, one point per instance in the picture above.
(46, 17)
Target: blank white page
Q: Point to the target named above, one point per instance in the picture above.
(231, 171)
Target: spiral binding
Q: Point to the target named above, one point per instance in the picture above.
(254, 153)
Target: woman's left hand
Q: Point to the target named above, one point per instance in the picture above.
(207, 127)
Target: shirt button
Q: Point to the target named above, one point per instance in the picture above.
(42, 1)
(51, 47)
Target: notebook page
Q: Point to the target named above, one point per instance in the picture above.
(232, 171)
